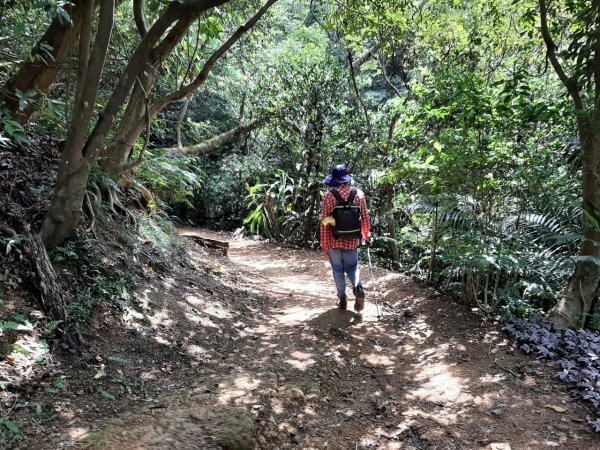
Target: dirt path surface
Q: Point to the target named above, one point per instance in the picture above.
(259, 330)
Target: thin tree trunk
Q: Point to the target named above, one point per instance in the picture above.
(391, 221)
(181, 119)
(434, 231)
(139, 15)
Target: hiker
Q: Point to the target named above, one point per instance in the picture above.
(345, 220)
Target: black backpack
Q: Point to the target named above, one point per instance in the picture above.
(347, 217)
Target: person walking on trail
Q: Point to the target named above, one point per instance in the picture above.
(345, 221)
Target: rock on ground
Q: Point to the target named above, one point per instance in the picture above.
(192, 429)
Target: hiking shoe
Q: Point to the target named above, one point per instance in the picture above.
(359, 293)
(343, 303)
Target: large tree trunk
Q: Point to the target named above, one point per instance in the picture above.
(576, 304)
(65, 212)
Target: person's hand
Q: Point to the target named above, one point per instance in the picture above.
(328, 221)
(326, 254)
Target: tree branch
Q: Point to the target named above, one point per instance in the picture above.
(209, 146)
(569, 82)
(361, 102)
(99, 51)
(139, 15)
(385, 75)
(203, 75)
(174, 12)
(370, 53)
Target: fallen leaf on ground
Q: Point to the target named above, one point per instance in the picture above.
(500, 446)
(558, 409)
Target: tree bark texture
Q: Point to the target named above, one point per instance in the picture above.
(391, 222)
(65, 211)
(213, 144)
(45, 278)
(575, 306)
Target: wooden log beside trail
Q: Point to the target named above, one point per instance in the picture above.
(208, 242)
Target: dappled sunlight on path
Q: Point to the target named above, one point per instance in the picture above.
(424, 377)
(260, 330)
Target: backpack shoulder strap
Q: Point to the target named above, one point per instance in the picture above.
(351, 196)
(338, 197)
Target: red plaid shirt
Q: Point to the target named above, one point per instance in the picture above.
(329, 202)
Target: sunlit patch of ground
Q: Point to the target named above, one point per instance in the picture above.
(300, 360)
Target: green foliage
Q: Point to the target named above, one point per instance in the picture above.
(99, 282)
(43, 416)
(175, 180)
(52, 326)
(58, 385)
(66, 253)
(13, 430)
(258, 220)
(9, 326)
(14, 131)
(106, 395)
(158, 231)
(80, 309)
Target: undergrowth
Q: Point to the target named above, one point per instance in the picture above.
(97, 281)
(576, 353)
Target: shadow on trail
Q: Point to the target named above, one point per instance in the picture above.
(260, 330)
(335, 318)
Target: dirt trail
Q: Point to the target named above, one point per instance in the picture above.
(427, 376)
(259, 329)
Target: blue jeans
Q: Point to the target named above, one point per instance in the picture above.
(344, 262)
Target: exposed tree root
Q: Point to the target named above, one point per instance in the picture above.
(92, 214)
(128, 183)
(45, 282)
(107, 192)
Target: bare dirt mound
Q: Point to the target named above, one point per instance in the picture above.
(259, 331)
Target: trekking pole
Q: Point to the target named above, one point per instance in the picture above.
(379, 316)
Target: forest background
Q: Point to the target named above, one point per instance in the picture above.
(470, 125)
